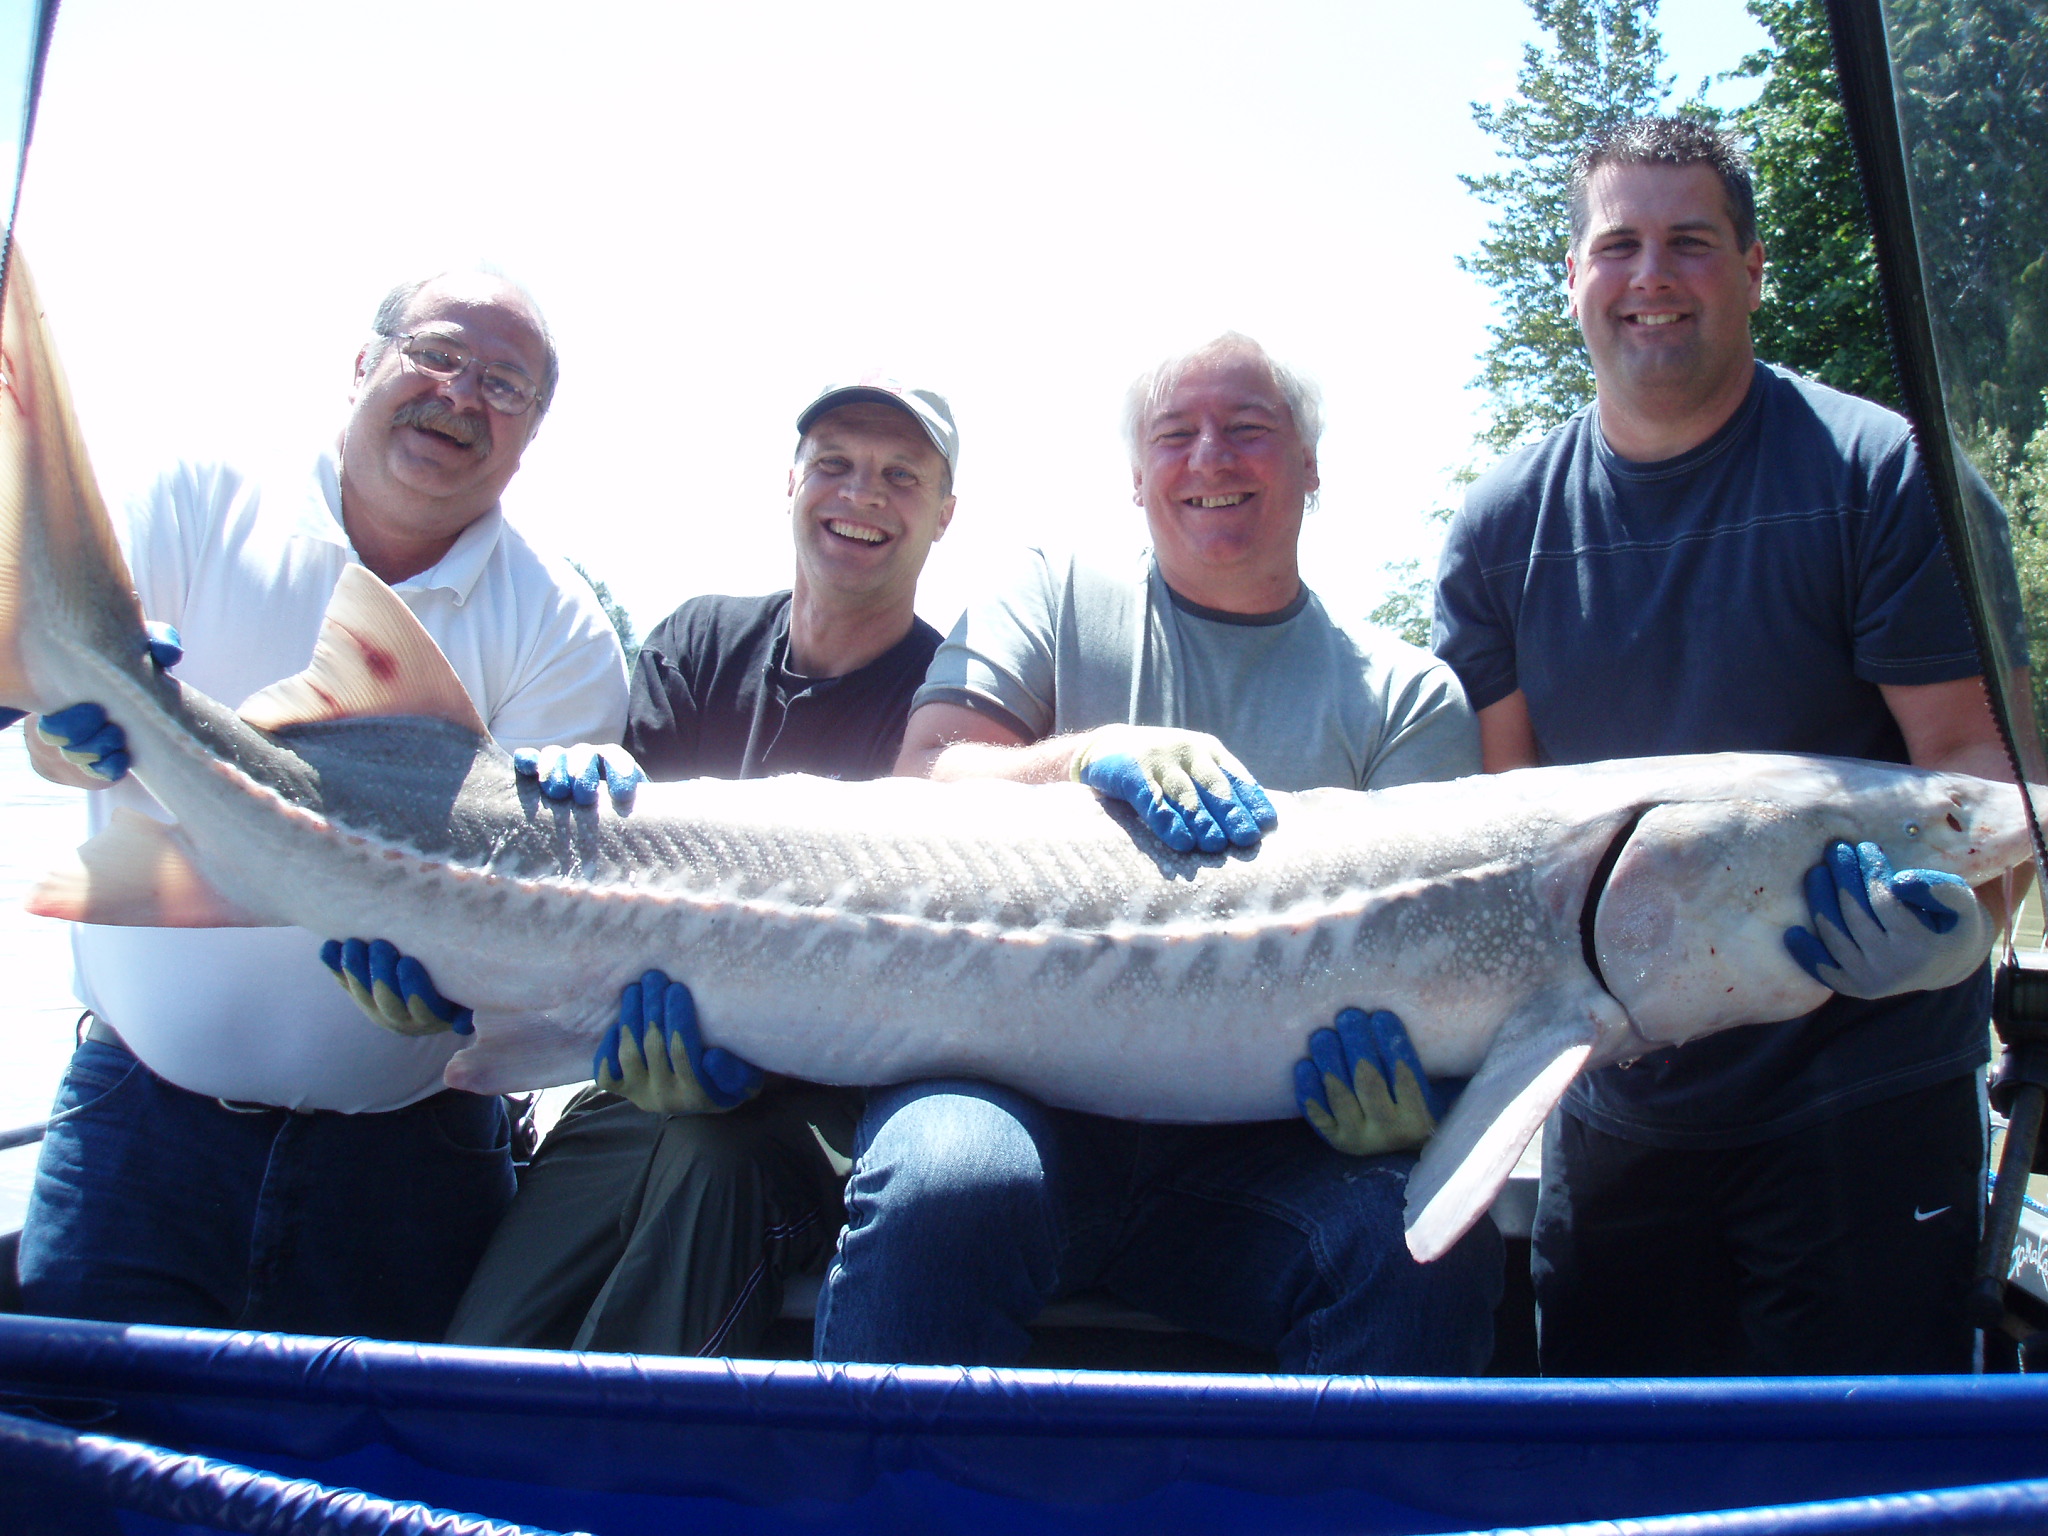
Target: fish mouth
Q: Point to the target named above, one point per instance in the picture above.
(1589, 910)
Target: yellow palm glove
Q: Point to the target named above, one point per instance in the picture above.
(393, 989)
(1363, 1088)
(1184, 785)
(655, 1058)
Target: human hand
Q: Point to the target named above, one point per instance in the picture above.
(393, 989)
(566, 772)
(1912, 931)
(1184, 785)
(83, 734)
(654, 1056)
(1363, 1087)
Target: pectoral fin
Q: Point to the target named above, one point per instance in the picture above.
(1533, 1059)
(532, 1049)
(136, 874)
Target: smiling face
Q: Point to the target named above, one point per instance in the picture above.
(1663, 291)
(867, 501)
(427, 455)
(1224, 477)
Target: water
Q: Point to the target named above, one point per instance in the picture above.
(43, 823)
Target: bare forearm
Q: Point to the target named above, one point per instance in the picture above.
(1507, 735)
(1050, 761)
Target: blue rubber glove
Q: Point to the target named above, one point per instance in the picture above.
(84, 734)
(655, 1057)
(1363, 1087)
(393, 989)
(1912, 931)
(1184, 785)
(573, 772)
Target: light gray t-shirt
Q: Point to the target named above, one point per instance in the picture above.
(1304, 700)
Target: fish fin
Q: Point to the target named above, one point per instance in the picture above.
(372, 658)
(1533, 1059)
(516, 1052)
(63, 582)
(136, 874)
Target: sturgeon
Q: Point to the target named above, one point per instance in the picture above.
(1525, 926)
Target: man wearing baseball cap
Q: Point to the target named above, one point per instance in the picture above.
(671, 1228)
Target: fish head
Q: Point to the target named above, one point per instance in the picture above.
(1689, 930)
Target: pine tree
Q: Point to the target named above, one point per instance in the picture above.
(614, 610)
(1973, 110)
(1821, 313)
(1604, 65)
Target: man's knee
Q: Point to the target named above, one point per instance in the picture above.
(969, 1145)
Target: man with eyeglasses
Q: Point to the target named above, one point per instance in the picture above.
(234, 1145)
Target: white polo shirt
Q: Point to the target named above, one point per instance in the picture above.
(244, 564)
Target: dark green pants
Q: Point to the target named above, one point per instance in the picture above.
(663, 1234)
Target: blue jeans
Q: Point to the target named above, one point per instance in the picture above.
(155, 1205)
(971, 1207)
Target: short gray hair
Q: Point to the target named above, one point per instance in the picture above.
(398, 302)
(1303, 399)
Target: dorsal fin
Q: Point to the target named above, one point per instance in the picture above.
(135, 873)
(373, 658)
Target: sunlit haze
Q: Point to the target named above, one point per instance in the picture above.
(724, 207)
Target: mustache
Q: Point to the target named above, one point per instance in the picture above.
(430, 413)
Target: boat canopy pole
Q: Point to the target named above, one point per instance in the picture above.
(1863, 68)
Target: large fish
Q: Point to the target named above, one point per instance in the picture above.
(1525, 926)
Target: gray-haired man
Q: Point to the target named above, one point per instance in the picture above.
(971, 1205)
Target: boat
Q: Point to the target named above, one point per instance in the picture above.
(110, 1427)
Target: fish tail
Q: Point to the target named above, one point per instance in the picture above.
(67, 604)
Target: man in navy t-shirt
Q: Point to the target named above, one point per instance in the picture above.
(1716, 555)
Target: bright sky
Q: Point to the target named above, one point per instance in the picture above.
(724, 207)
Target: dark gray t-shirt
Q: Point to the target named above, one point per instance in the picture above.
(1304, 701)
(1750, 595)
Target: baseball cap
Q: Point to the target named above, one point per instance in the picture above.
(927, 406)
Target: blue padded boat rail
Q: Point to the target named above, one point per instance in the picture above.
(623, 1445)
(87, 1358)
(215, 1495)
(1999, 1509)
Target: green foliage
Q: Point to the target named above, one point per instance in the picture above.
(1973, 108)
(1409, 608)
(1603, 65)
(614, 610)
(1822, 314)
(1973, 105)
(2018, 476)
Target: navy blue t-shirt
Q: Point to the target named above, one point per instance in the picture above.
(1750, 595)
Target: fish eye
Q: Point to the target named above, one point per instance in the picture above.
(1912, 829)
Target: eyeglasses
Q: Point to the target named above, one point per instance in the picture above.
(505, 389)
